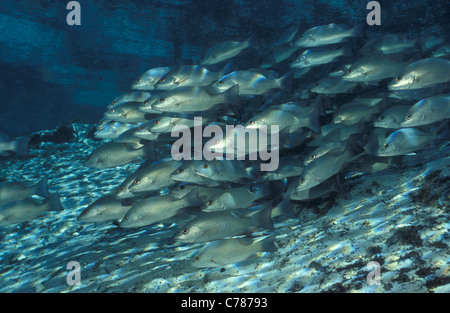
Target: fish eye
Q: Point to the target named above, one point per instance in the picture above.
(399, 78)
(209, 203)
(161, 100)
(185, 231)
(180, 170)
(301, 181)
(181, 187)
(205, 165)
(122, 188)
(349, 71)
(408, 116)
(162, 80)
(313, 156)
(125, 218)
(114, 102)
(301, 37)
(251, 123)
(137, 181)
(385, 146)
(220, 82)
(139, 80)
(381, 117)
(197, 258)
(140, 128)
(112, 110)
(156, 122)
(101, 128)
(145, 102)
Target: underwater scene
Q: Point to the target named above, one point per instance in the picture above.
(224, 146)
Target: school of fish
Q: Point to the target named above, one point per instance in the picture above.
(343, 101)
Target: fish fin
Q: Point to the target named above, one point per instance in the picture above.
(263, 218)
(150, 151)
(42, 188)
(267, 244)
(253, 42)
(54, 203)
(313, 117)
(233, 99)
(226, 69)
(285, 207)
(21, 145)
(286, 82)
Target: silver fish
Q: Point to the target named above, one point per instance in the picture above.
(318, 56)
(112, 129)
(227, 49)
(228, 251)
(26, 210)
(388, 44)
(105, 209)
(133, 96)
(155, 177)
(333, 85)
(189, 76)
(147, 80)
(19, 146)
(112, 154)
(392, 117)
(208, 226)
(374, 68)
(154, 209)
(252, 83)
(278, 54)
(423, 73)
(427, 111)
(194, 99)
(223, 170)
(12, 191)
(328, 34)
(187, 173)
(405, 141)
(441, 51)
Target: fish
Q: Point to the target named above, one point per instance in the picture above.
(148, 79)
(405, 141)
(187, 173)
(126, 113)
(427, 111)
(441, 51)
(189, 76)
(289, 166)
(155, 177)
(374, 68)
(132, 96)
(209, 226)
(288, 35)
(12, 191)
(225, 50)
(354, 113)
(228, 251)
(155, 209)
(112, 129)
(392, 117)
(278, 54)
(329, 164)
(324, 149)
(20, 211)
(332, 184)
(336, 132)
(112, 154)
(165, 124)
(105, 209)
(288, 115)
(319, 56)
(252, 83)
(194, 100)
(223, 170)
(389, 44)
(328, 34)
(421, 74)
(333, 85)
(19, 146)
(237, 198)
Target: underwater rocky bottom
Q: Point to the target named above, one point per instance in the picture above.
(398, 217)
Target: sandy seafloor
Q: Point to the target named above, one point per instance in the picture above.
(398, 217)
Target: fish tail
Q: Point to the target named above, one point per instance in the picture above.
(42, 188)
(264, 218)
(267, 244)
(21, 145)
(286, 82)
(358, 31)
(54, 203)
(253, 42)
